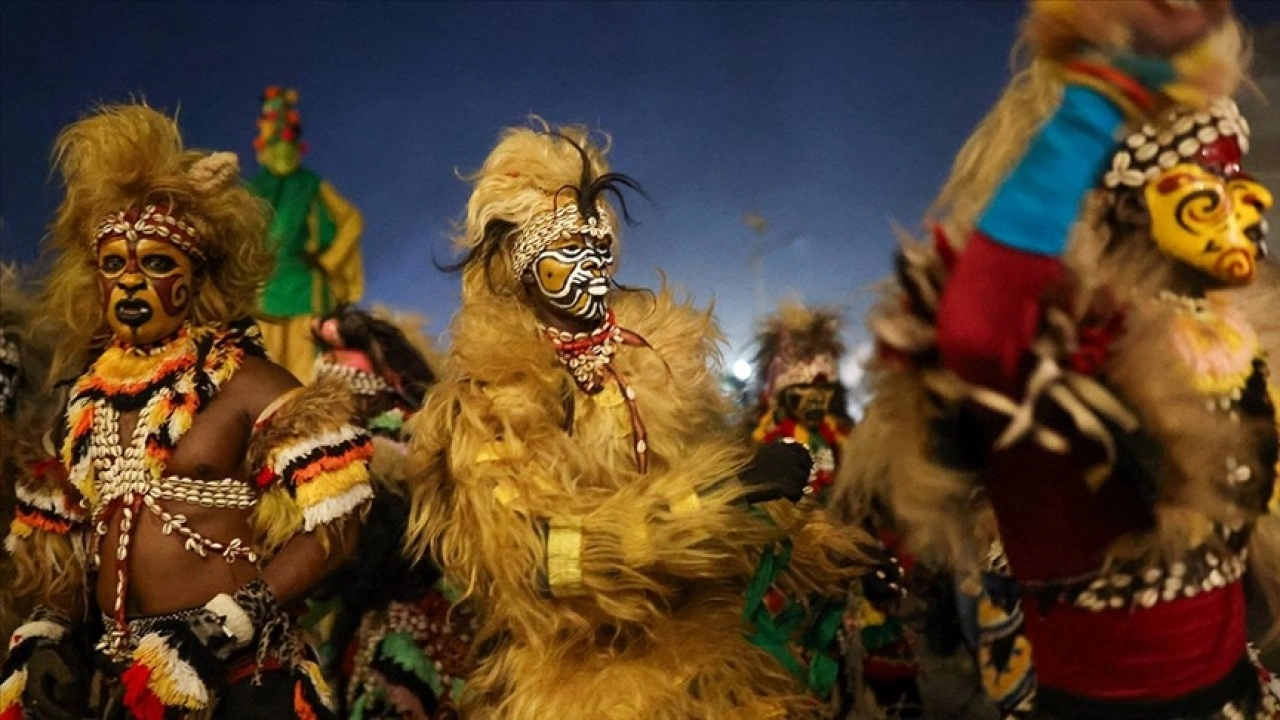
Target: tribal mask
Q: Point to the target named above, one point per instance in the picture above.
(569, 261)
(808, 403)
(1200, 207)
(279, 144)
(146, 270)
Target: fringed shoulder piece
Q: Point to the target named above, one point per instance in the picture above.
(45, 540)
(310, 460)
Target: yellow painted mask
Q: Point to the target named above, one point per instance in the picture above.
(1194, 200)
(1209, 222)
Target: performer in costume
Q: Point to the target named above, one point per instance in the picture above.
(205, 491)
(1092, 356)
(406, 644)
(25, 408)
(801, 398)
(315, 237)
(581, 481)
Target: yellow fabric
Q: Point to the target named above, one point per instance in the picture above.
(564, 556)
(342, 261)
(289, 343)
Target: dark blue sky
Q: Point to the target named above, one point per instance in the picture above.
(830, 120)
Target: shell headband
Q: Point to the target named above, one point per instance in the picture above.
(1147, 153)
(154, 222)
(547, 227)
(208, 175)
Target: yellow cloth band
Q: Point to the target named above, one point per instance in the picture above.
(564, 556)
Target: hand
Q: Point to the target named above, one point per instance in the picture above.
(210, 629)
(779, 470)
(57, 688)
(883, 583)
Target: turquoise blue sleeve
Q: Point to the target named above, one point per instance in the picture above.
(1035, 207)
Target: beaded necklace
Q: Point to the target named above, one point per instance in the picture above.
(589, 359)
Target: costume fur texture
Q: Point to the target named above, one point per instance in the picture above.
(641, 611)
(309, 412)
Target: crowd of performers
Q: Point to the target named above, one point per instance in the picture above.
(1068, 462)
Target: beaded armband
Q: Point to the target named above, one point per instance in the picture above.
(310, 461)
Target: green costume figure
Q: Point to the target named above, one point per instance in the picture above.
(315, 235)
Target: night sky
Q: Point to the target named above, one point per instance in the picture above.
(830, 120)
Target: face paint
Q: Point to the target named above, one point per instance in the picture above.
(808, 404)
(280, 158)
(572, 274)
(1211, 223)
(1181, 184)
(146, 288)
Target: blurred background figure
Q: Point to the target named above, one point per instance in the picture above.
(315, 235)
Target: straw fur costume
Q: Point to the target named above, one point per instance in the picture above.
(601, 535)
(159, 242)
(1108, 409)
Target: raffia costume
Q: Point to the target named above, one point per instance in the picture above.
(132, 186)
(581, 490)
(802, 399)
(314, 235)
(1108, 396)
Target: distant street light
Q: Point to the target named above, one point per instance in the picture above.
(759, 249)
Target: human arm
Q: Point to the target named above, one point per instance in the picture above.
(341, 261)
(309, 463)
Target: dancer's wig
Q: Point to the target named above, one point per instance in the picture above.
(124, 156)
(797, 344)
(531, 172)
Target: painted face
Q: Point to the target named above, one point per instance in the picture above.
(1211, 221)
(807, 404)
(280, 158)
(146, 288)
(572, 275)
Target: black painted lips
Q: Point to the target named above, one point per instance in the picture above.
(133, 312)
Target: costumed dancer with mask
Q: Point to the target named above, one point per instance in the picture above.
(206, 491)
(403, 644)
(802, 399)
(581, 481)
(26, 409)
(1084, 344)
(314, 235)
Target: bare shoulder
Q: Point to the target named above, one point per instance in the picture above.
(258, 383)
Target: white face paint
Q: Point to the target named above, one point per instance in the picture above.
(572, 275)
